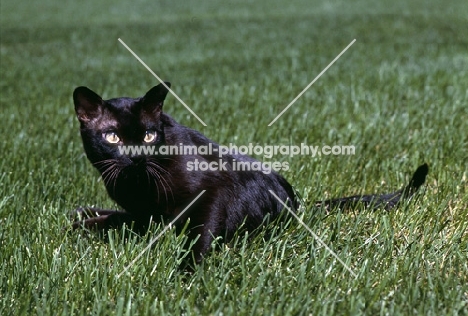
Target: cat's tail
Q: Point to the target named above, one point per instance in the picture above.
(379, 201)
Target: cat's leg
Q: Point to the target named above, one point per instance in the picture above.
(206, 222)
(203, 244)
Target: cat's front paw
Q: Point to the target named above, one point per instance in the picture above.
(97, 222)
(80, 214)
(87, 212)
(90, 217)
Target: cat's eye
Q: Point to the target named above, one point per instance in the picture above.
(150, 136)
(111, 137)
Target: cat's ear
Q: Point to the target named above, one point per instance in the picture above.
(154, 98)
(88, 105)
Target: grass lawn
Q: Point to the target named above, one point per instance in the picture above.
(399, 95)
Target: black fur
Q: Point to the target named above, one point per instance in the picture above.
(158, 188)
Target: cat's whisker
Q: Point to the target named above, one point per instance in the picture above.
(106, 174)
(158, 169)
(115, 174)
(110, 173)
(149, 174)
(105, 162)
(161, 169)
(167, 187)
(154, 163)
(157, 177)
(108, 166)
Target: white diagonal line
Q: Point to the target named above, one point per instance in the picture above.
(313, 81)
(168, 226)
(314, 235)
(162, 82)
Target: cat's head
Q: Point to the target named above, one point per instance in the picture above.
(107, 125)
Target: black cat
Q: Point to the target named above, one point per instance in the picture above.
(159, 187)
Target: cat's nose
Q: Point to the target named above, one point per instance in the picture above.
(138, 159)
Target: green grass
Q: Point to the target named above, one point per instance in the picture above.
(399, 94)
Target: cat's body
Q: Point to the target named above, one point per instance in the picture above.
(160, 187)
